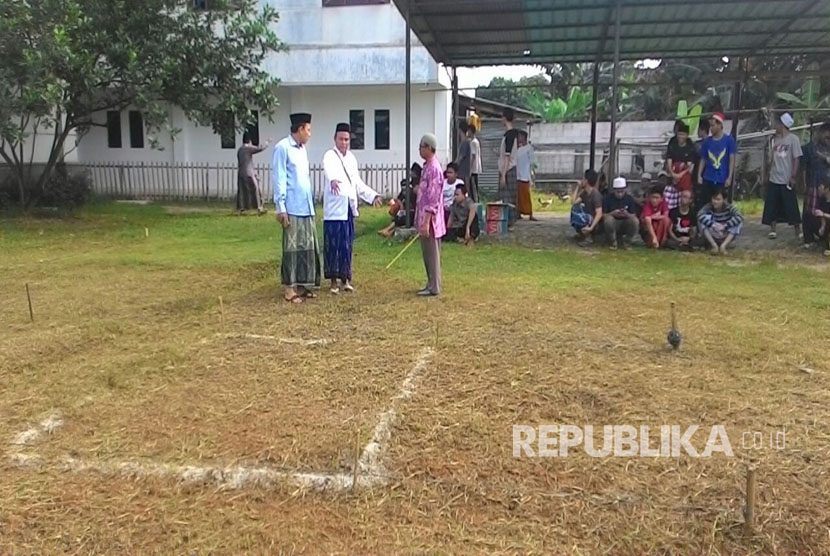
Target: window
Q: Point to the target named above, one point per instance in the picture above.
(252, 129)
(331, 3)
(356, 122)
(136, 130)
(114, 129)
(227, 131)
(381, 130)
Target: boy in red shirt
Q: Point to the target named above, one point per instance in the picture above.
(655, 221)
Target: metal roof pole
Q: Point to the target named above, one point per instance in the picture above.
(454, 113)
(612, 153)
(738, 96)
(595, 85)
(408, 116)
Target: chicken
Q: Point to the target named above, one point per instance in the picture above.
(544, 203)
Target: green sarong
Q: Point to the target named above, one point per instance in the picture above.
(300, 253)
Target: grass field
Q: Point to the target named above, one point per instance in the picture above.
(132, 354)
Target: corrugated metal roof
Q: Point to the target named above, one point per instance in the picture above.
(487, 32)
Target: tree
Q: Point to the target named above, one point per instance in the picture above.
(66, 62)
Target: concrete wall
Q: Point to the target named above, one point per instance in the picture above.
(345, 45)
(328, 105)
(563, 149)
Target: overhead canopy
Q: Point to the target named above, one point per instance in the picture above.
(490, 32)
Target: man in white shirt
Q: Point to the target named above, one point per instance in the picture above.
(340, 201)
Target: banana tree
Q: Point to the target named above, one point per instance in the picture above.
(809, 98)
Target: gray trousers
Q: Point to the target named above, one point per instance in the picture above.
(615, 227)
(431, 250)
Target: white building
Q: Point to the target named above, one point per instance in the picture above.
(346, 62)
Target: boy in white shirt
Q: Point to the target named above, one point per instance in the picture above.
(451, 181)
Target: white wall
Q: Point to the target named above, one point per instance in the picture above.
(345, 45)
(38, 146)
(328, 106)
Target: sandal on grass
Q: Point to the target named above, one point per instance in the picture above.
(296, 299)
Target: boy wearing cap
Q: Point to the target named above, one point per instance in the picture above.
(619, 214)
(781, 203)
(717, 157)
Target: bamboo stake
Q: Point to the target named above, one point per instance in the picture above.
(356, 465)
(751, 496)
(221, 309)
(29, 298)
(398, 256)
(673, 319)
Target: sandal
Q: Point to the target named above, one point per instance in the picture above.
(348, 288)
(335, 291)
(296, 299)
(308, 294)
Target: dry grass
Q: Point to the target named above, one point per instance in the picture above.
(129, 345)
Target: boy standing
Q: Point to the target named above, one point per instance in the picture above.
(717, 158)
(781, 203)
(680, 161)
(475, 161)
(524, 175)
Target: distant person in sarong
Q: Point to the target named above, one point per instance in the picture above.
(524, 176)
(294, 199)
(341, 194)
(248, 191)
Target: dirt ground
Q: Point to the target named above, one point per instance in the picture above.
(141, 365)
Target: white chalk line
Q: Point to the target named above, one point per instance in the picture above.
(372, 470)
(294, 341)
(29, 437)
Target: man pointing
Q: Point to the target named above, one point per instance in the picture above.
(340, 200)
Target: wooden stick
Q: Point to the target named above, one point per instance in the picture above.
(751, 495)
(221, 309)
(29, 298)
(146, 232)
(673, 319)
(356, 465)
(398, 256)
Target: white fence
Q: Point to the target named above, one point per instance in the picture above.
(200, 181)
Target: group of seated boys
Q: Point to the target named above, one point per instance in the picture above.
(662, 220)
(460, 212)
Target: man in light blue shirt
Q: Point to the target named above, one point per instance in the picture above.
(293, 196)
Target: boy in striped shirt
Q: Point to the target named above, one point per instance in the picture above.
(720, 223)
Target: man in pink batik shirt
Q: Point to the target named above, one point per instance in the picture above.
(429, 214)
